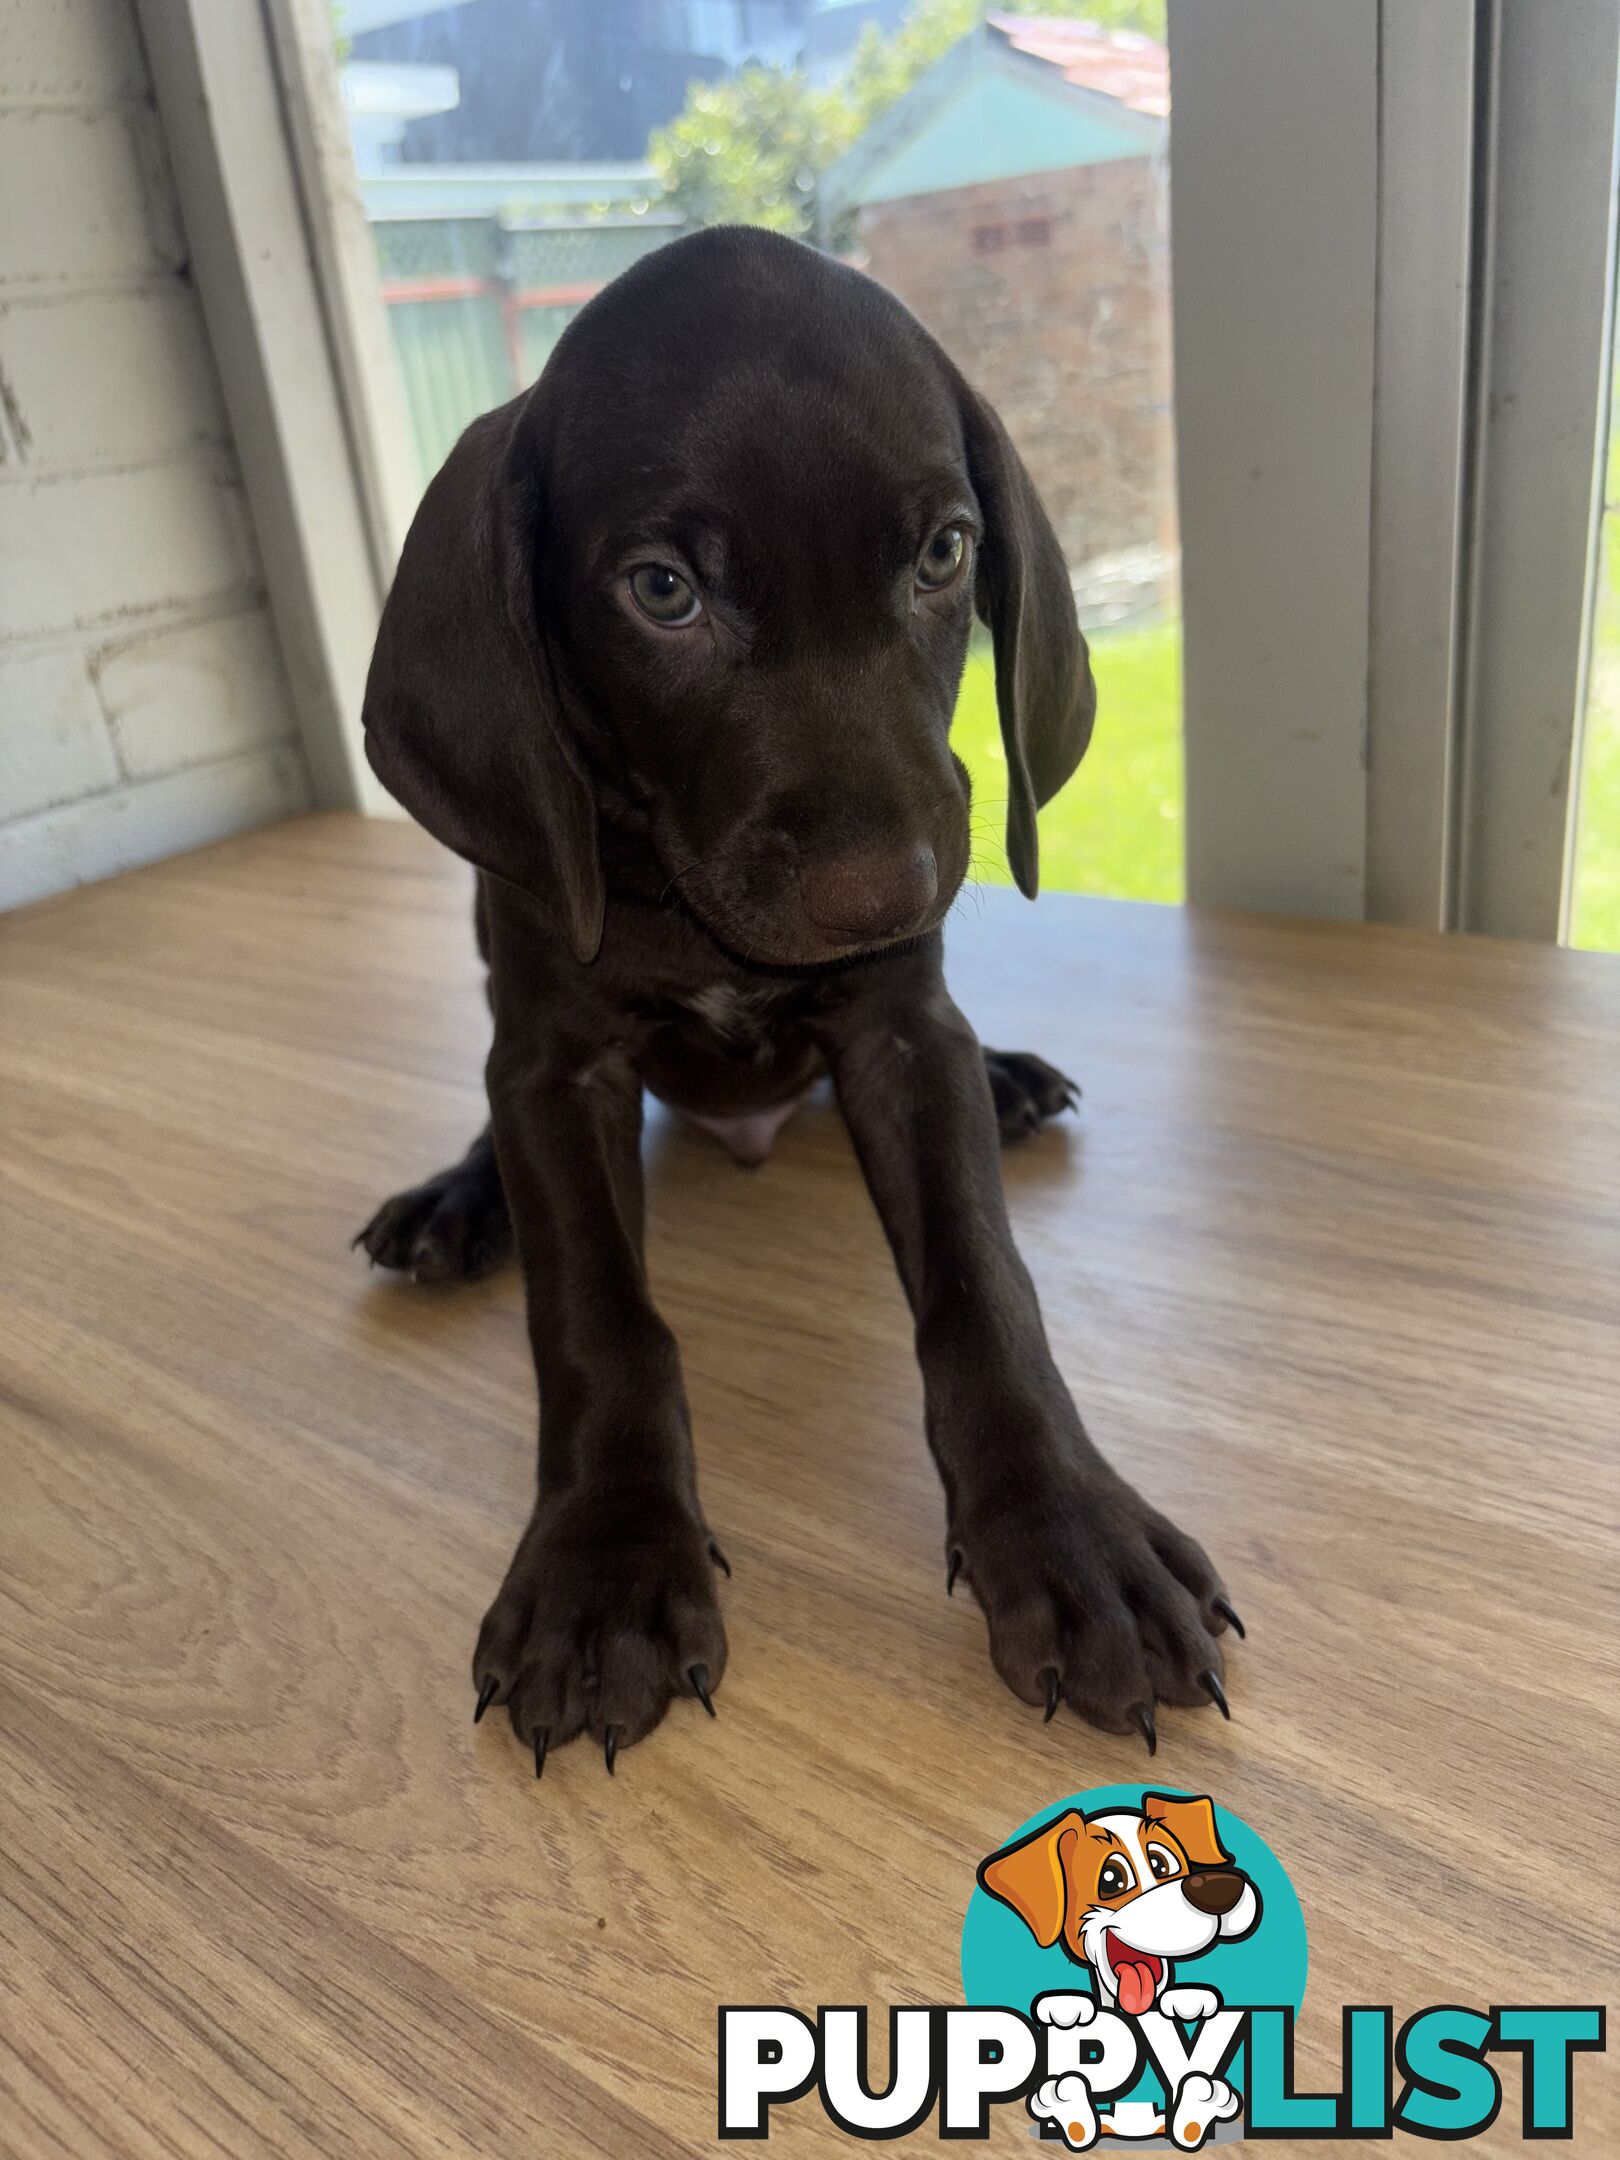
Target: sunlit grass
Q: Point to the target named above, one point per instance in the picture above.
(1116, 828)
(1596, 914)
(1597, 880)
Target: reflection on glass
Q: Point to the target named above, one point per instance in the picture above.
(1004, 174)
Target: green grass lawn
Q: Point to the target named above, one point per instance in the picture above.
(1596, 918)
(1117, 826)
(1597, 864)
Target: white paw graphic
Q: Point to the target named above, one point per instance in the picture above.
(1066, 2102)
(1065, 2010)
(1201, 2103)
(1189, 2005)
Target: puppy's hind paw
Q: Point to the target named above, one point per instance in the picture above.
(1201, 2103)
(452, 1229)
(1066, 2103)
(1027, 1091)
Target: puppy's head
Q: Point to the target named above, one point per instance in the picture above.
(1127, 1891)
(717, 571)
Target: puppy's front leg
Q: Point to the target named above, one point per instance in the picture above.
(1091, 1596)
(608, 1609)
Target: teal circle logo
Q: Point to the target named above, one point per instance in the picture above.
(1144, 1899)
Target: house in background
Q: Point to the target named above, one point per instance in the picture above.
(483, 267)
(485, 260)
(381, 99)
(1015, 199)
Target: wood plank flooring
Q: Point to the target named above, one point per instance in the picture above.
(1331, 1257)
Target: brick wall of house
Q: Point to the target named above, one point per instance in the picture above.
(1051, 293)
(143, 706)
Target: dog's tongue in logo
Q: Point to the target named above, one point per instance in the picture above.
(1137, 1974)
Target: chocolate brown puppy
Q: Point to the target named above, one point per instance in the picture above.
(671, 657)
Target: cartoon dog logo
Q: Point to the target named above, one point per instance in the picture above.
(1129, 1893)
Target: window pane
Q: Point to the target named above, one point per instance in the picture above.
(1595, 920)
(1005, 175)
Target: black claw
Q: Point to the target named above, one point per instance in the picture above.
(953, 1568)
(610, 1747)
(1217, 1694)
(1053, 1694)
(720, 1560)
(699, 1677)
(1224, 1607)
(486, 1695)
(1142, 1719)
(540, 1739)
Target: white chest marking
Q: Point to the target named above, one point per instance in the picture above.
(736, 1016)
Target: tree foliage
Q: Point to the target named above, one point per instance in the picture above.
(751, 150)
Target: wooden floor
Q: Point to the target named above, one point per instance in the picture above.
(1331, 1257)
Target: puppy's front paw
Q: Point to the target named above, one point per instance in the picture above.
(1093, 1598)
(1065, 2010)
(1188, 2005)
(607, 1613)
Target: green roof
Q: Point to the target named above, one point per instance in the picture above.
(985, 111)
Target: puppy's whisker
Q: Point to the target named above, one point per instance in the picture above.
(987, 860)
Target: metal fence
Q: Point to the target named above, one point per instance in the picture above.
(477, 304)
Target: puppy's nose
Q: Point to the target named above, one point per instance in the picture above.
(870, 896)
(1215, 1891)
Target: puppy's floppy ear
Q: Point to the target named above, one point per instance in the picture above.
(1044, 692)
(1030, 1876)
(463, 723)
(1192, 1824)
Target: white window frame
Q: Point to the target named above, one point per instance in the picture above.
(1393, 260)
(1541, 429)
(296, 418)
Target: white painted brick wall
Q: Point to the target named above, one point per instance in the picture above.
(184, 696)
(134, 825)
(83, 547)
(69, 52)
(54, 741)
(143, 706)
(91, 200)
(167, 398)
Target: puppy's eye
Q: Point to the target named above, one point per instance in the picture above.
(1162, 1863)
(1115, 1879)
(942, 559)
(664, 596)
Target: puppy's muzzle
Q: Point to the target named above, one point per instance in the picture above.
(1214, 1890)
(870, 896)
